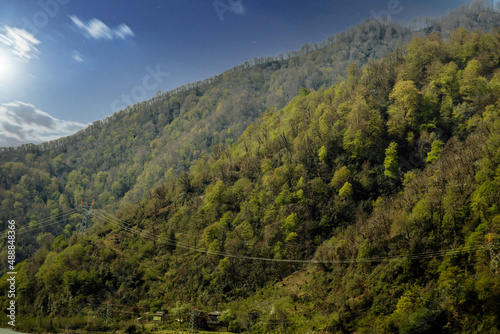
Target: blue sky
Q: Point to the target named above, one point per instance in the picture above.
(67, 63)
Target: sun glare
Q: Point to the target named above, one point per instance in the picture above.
(5, 66)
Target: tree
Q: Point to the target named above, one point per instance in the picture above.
(472, 85)
(346, 190)
(364, 128)
(323, 154)
(340, 177)
(403, 111)
(421, 53)
(391, 162)
(180, 310)
(462, 45)
(226, 318)
(436, 148)
(303, 92)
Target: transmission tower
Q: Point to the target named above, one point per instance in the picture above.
(86, 220)
(108, 306)
(193, 323)
(494, 255)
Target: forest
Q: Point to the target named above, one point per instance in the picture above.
(348, 187)
(120, 159)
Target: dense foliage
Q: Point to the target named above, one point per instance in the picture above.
(120, 159)
(371, 205)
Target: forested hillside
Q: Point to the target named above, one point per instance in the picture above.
(368, 206)
(120, 159)
(126, 155)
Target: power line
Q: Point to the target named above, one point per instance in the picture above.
(135, 230)
(58, 219)
(413, 256)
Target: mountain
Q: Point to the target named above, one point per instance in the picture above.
(120, 159)
(363, 206)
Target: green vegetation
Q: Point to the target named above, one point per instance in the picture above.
(121, 159)
(366, 206)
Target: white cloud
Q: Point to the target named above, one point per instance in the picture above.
(97, 29)
(22, 123)
(77, 56)
(123, 31)
(19, 42)
(238, 8)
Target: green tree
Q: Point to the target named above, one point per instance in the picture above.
(403, 111)
(346, 190)
(364, 129)
(472, 84)
(462, 45)
(421, 53)
(391, 162)
(303, 92)
(340, 177)
(226, 318)
(435, 152)
(323, 154)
